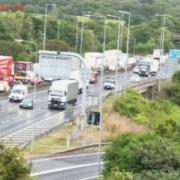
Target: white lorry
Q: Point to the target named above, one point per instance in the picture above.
(18, 92)
(76, 75)
(112, 58)
(94, 60)
(148, 67)
(55, 65)
(61, 93)
(158, 54)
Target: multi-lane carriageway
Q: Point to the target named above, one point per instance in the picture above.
(19, 126)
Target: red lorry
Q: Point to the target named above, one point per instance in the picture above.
(6, 71)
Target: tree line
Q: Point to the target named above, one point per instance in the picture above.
(145, 26)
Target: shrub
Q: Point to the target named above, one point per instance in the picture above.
(130, 104)
(13, 165)
(136, 154)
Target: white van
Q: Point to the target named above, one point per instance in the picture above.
(18, 92)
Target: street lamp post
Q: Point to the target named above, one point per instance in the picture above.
(58, 30)
(118, 49)
(82, 33)
(45, 23)
(76, 43)
(134, 47)
(101, 95)
(34, 90)
(162, 37)
(101, 87)
(127, 47)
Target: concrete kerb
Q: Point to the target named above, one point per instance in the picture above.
(72, 150)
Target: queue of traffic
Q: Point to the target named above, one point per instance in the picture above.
(65, 72)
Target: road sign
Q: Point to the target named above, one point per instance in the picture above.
(174, 54)
(85, 74)
(69, 112)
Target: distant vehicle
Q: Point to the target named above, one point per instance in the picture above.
(94, 61)
(94, 77)
(61, 93)
(26, 103)
(112, 58)
(158, 54)
(36, 80)
(6, 71)
(54, 65)
(109, 84)
(18, 93)
(4, 87)
(76, 75)
(148, 67)
(24, 71)
(136, 70)
(17, 82)
(135, 79)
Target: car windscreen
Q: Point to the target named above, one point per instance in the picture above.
(27, 101)
(57, 93)
(17, 91)
(110, 81)
(144, 67)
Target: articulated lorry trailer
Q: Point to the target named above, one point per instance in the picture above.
(54, 65)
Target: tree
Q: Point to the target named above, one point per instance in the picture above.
(16, 50)
(56, 45)
(13, 165)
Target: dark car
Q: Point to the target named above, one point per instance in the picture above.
(109, 84)
(26, 103)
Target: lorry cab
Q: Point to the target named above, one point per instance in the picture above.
(18, 93)
(144, 69)
(62, 92)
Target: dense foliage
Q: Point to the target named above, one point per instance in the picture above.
(174, 90)
(143, 156)
(13, 165)
(155, 155)
(145, 31)
(160, 116)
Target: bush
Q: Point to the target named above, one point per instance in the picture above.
(130, 104)
(176, 77)
(136, 154)
(13, 165)
(160, 116)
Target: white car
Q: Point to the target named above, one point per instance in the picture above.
(109, 84)
(135, 79)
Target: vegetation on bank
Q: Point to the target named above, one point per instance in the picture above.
(13, 165)
(155, 154)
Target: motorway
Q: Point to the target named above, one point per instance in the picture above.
(74, 167)
(12, 118)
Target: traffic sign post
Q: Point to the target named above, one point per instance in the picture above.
(174, 54)
(85, 76)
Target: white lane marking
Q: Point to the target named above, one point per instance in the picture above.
(90, 178)
(63, 157)
(41, 173)
(4, 122)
